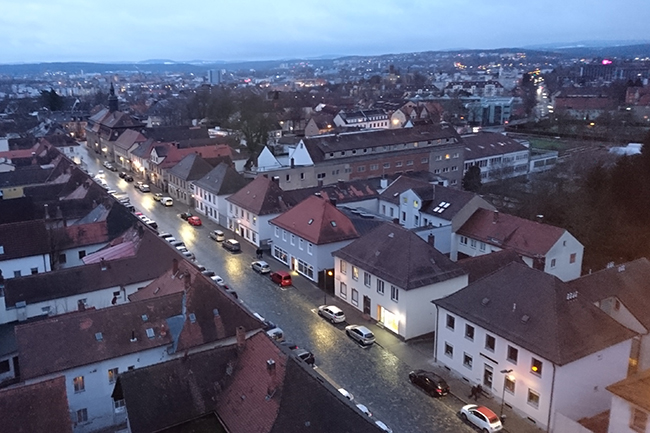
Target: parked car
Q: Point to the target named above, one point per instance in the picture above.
(185, 215)
(282, 278)
(157, 196)
(346, 394)
(128, 178)
(305, 355)
(122, 174)
(217, 235)
(208, 273)
(109, 166)
(188, 255)
(165, 235)
(364, 409)
(383, 427)
(332, 313)
(430, 382)
(138, 184)
(166, 201)
(231, 245)
(170, 239)
(261, 266)
(194, 220)
(481, 417)
(145, 188)
(361, 334)
(217, 279)
(176, 243)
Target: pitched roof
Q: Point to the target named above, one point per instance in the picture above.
(191, 167)
(400, 257)
(222, 180)
(262, 196)
(128, 138)
(483, 265)
(486, 144)
(318, 221)
(538, 312)
(528, 238)
(24, 239)
(39, 407)
(627, 282)
(634, 389)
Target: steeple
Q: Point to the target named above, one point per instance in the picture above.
(112, 100)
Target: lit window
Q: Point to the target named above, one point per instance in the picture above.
(509, 384)
(536, 367)
(78, 383)
(112, 375)
(355, 273)
(416, 203)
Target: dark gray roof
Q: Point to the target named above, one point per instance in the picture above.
(400, 257)
(485, 144)
(191, 167)
(627, 282)
(538, 312)
(483, 265)
(222, 180)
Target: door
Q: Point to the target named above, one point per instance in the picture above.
(488, 372)
(366, 305)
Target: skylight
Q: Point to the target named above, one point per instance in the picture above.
(150, 333)
(333, 223)
(310, 221)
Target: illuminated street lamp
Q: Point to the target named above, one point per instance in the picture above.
(503, 395)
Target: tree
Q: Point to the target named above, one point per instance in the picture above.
(472, 179)
(52, 100)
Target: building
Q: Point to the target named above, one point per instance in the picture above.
(550, 249)
(211, 191)
(529, 338)
(363, 119)
(630, 410)
(181, 178)
(498, 156)
(392, 275)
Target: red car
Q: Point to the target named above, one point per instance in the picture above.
(194, 221)
(281, 277)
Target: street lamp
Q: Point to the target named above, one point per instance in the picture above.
(503, 395)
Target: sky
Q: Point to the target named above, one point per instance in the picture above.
(212, 30)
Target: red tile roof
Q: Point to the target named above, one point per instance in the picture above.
(318, 221)
(528, 238)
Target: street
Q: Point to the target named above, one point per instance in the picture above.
(376, 377)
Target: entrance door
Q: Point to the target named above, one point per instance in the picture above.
(488, 372)
(366, 305)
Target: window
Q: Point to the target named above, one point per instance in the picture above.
(293, 239)
(355, 273)
(409, 162)
(552, 263)
(449, 350)
(343, 291)
(490, 343)
(112, 375)
(284, 235)
(300, 243)
(355, 297)
(639, 420)
(482, 246)
(438, 157)
(425, 160)
(451, 322)
(386, 164)
(342, 267)
(463, 240)
(509, 383)
(4, 366)
(469, 332)
(572, 258)
(472, 243)
(512, 354)
(467, 361)
(380, 286)
(361, 168)
(394, 293)
(62, 258)
(533, 398)
(34, 271)
(82, 254)
(78, 383)
(310, 248)
(302, 176)
(536, 367)
(82, 415)
(277, 231)
(118, 405)
(374, 167)
(366, 279)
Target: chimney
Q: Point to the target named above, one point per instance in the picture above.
(270, 367)
(333, 201)
(103, 264)
(431, 239)
(496, 217)
(81, 306)
(133, 339)
(320, 182)
(187, 280)
(383, 183)
(218, 324)
(47, 211)
(174, 266)
(293, 164)
(341, 183)
(241, 338)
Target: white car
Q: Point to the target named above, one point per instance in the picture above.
(481, 417)
(346, 394)
(361, 334)
(217, 279)
(363, 409)
(332, 313)
(261, 266)
(383, 427)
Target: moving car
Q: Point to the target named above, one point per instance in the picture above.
(128, 178)
(261, 266)
(122, 174)
(481, 417)
(166, 201)
(217, 235)
(430, 382)
(361, 334)
(231, 245)
(282, 278)
(194, 220)
(332, 313)
(157, 196)
(144, 188)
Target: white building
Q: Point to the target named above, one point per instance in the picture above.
(498, 156)
(528, 336)
(211, 191)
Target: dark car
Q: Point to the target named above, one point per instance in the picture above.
(128, 178)
(185, 215)
(231, 245)
(430, 382)
(122, 174)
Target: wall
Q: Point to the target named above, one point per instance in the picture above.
(620, 416)
(564, 424)
(72, 255)
(561, 252)
(25, 265)
(255, 229)
(216, 203)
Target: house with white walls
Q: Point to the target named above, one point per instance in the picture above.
(497, 156)
(391, 275)
(526, 335)
(542, 246)
(91, 348)
(429, 209)
(211, 191)
(305, 236)
(630, 409)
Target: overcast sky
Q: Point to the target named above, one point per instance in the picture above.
(135, 30)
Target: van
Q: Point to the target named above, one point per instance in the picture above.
(167, 201)
(281, 277)
(231, 245)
